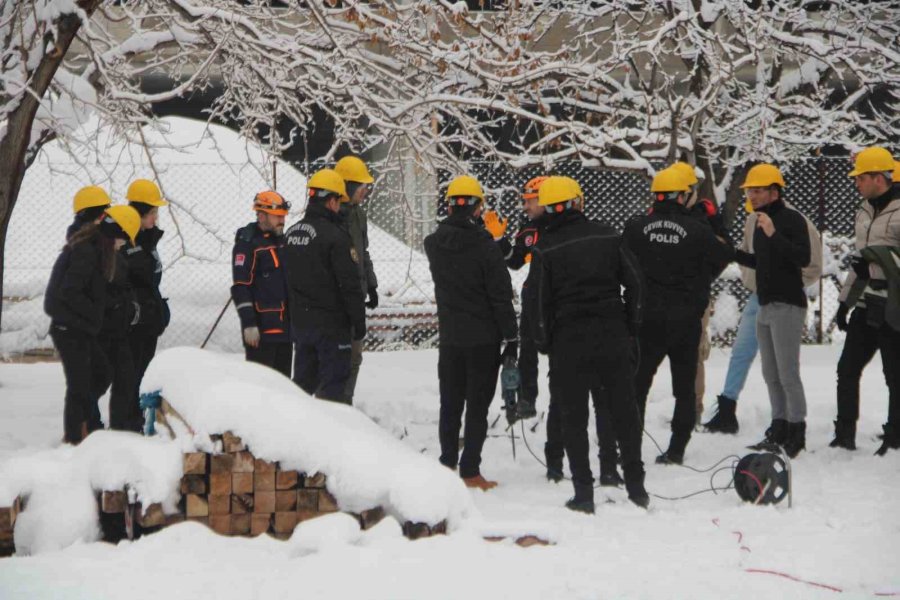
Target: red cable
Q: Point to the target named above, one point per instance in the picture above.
(758, 483)
(792, 578)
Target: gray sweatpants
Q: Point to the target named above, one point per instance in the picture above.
(779, 328)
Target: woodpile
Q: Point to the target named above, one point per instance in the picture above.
(8, 516)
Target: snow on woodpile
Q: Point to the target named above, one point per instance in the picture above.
(60, 485)
(365, 466)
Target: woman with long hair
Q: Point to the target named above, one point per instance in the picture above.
(75, 300)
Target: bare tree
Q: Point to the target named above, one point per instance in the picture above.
(615, 84)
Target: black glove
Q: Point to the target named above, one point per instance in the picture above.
(373, 298)
(511, 351)
(841, 317)
(860, 267)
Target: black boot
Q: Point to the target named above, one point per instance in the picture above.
(675, 454)
(634, 484)
(844, 435)
(555, 470)
(609, 475)
(776, 434)
(725, 420)
(583, 501)
(890, 440)
(796, 439)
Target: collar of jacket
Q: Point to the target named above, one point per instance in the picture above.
(773, 208)
(878, 203)
(148, 238)
(318, 211)
(463, 221)
(669, 206)
(557, 220)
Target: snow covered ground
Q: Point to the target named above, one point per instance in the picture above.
(842, 532)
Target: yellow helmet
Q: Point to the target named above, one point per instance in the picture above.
(687, 171)
(145, 192)
(352, 168)
(89, 197)
(127, 218)
(763, 175)
(327, 180)
(669, 180)
(557, 189)
(465, 186)
(896, 175)
(873, 160)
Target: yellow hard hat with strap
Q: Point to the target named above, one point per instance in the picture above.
(327, 181)
(145, 192)
(873, 160)
(763, 175)
(89, 197)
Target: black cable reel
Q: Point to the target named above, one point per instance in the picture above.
(764, 477)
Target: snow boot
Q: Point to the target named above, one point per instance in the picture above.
(796, 439)
(675, 454)
(479, 482)
(891, 439)
(844, 435)
(609, 475)
(555, 469)
(725, 420)
(669, 458)
(634, 485)
(775, 435)
(583, 501)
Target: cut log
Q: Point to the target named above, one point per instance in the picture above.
(243, 462)
(153, 516)
(439, 529)
(8, 516)
(264, 481)
(194, 484)
(240, 524)
(316, 480)
(531, 540)
(286, 501)
(415, 531)
(308, 500)
(306, 515)
(195, 463)
(369, 518)
(284, 522)
(201, 520)
(242, 483)
(196, 506)
(264, 502)
(327, 502)
(220, 484)
(264, 466)
(232, 443)
(286, 480)
(241, 504)
(221, 463)
(113, 502)
(260, 523)
(219, 505)
(220, 524)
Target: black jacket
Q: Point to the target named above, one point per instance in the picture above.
(518, 252)
(578, 270)
(76, 293)
(322, 276)
(259, 289)
(145, 275)
(677, 253)
(471, 284)
(120, 308)
(779, 260)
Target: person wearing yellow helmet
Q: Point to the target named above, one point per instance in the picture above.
(327, 302)
(359, 182)
(580, 317)
(259, 284)
(677, 253)
(145, 274)
(77, 302)
(473, 291)
(781, 249)
(872, 292)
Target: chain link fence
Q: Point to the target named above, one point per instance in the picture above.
(210, 201)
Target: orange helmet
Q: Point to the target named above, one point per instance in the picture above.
(272, 203)
(532, 187)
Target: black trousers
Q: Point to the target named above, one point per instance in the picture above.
(588, 358)
(276, 355)
(468, 379)
(87, 377)
(124, 409)
(554, 449)
(322, 362)
(143, 349)
(678, 338)
(861, 344)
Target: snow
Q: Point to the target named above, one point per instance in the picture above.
(843, 530)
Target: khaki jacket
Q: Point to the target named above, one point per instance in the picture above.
(811, 273)
(883, 230)
(358, 228)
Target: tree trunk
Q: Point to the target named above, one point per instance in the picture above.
(15, 145)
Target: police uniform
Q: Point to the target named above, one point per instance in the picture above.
(326, 301)
(259, 292)
(677, 253)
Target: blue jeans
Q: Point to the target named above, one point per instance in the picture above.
(743, 351)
